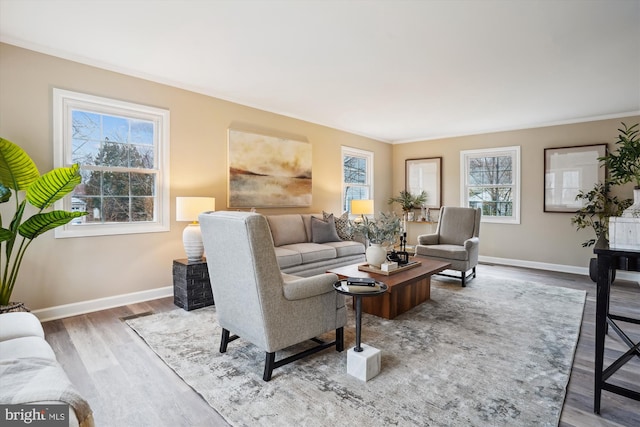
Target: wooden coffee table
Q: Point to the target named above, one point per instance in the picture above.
(406, 289)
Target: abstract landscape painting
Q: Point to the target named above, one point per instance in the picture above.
(267, 171)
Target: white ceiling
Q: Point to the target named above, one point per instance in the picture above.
(395, 71)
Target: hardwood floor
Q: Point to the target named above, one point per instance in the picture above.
(126, 384)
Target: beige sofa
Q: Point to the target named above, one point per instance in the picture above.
(30, 372)
(308, 244)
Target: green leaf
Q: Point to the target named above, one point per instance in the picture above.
(17, 170)
(43, 222)
(5, 234)
(53, 186)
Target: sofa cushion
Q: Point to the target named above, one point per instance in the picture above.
(323, 231)
(312, 252)
(445, 251)
(343, 228)
(347, 248)
(287, 229)
(287, 257)
(19, 324)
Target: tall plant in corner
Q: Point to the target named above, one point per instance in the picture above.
(624, 164)
(19, 175)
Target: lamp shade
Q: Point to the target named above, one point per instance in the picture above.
(362, 207)
(188, 208)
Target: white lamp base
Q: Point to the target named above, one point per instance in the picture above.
(192, 241)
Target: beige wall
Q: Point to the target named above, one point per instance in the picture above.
(540, 237)
(64, 271)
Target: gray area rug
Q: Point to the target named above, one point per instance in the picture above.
(496, 353)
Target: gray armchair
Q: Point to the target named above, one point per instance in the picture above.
(255, 301)
(456, 240)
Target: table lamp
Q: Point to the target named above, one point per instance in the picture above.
(188, 209)
(362, 207)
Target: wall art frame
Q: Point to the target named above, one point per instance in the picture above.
(425, 174)
(569, 170)
(266, 171)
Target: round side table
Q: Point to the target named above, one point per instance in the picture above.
(381, 289)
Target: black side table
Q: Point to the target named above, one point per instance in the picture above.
(610, 259)
(191, 285)
(357, 296)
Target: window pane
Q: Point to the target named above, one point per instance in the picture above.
(142, 184)
(86, 125)
(490, 170)
(116, 209)
(115, 129)
(115, 184)
(141, 157)
(355, 170)
(142, 208)
(494, 201)
(141, 132)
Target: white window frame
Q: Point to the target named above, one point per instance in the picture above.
(514, 152)
(64, 102)
(368, 156)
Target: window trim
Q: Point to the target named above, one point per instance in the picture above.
(368, 155)
(513, 151)
(63, 102)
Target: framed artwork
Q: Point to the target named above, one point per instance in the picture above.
(569, 170)
(425, 175)
(267, 171)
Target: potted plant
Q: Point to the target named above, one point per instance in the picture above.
(624, 164)
(408, 201)
(600, 205)
(383, 230)
(19, 175)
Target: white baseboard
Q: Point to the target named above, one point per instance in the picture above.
(84, 307)
(583, 271)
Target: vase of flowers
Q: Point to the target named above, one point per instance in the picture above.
(379, 232)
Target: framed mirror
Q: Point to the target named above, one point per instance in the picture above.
(425, 175)
(569, 170)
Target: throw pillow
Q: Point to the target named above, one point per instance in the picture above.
(323, 231)
(342, 225)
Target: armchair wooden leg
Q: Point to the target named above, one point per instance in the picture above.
(340, 339)
(224, 341)
(269, 365)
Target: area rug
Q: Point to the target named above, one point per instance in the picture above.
(496, 353)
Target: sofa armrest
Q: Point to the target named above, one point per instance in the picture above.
(308, 287)
(428, 239)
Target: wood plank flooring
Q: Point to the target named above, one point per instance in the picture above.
(127, 385)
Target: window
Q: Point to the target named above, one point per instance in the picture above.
(123, 152)
(357, 176)
(491, 181)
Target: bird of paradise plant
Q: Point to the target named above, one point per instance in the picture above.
(19, 175)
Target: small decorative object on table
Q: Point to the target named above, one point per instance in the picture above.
(401, 256)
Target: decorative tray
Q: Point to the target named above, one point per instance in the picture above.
(371, 269)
